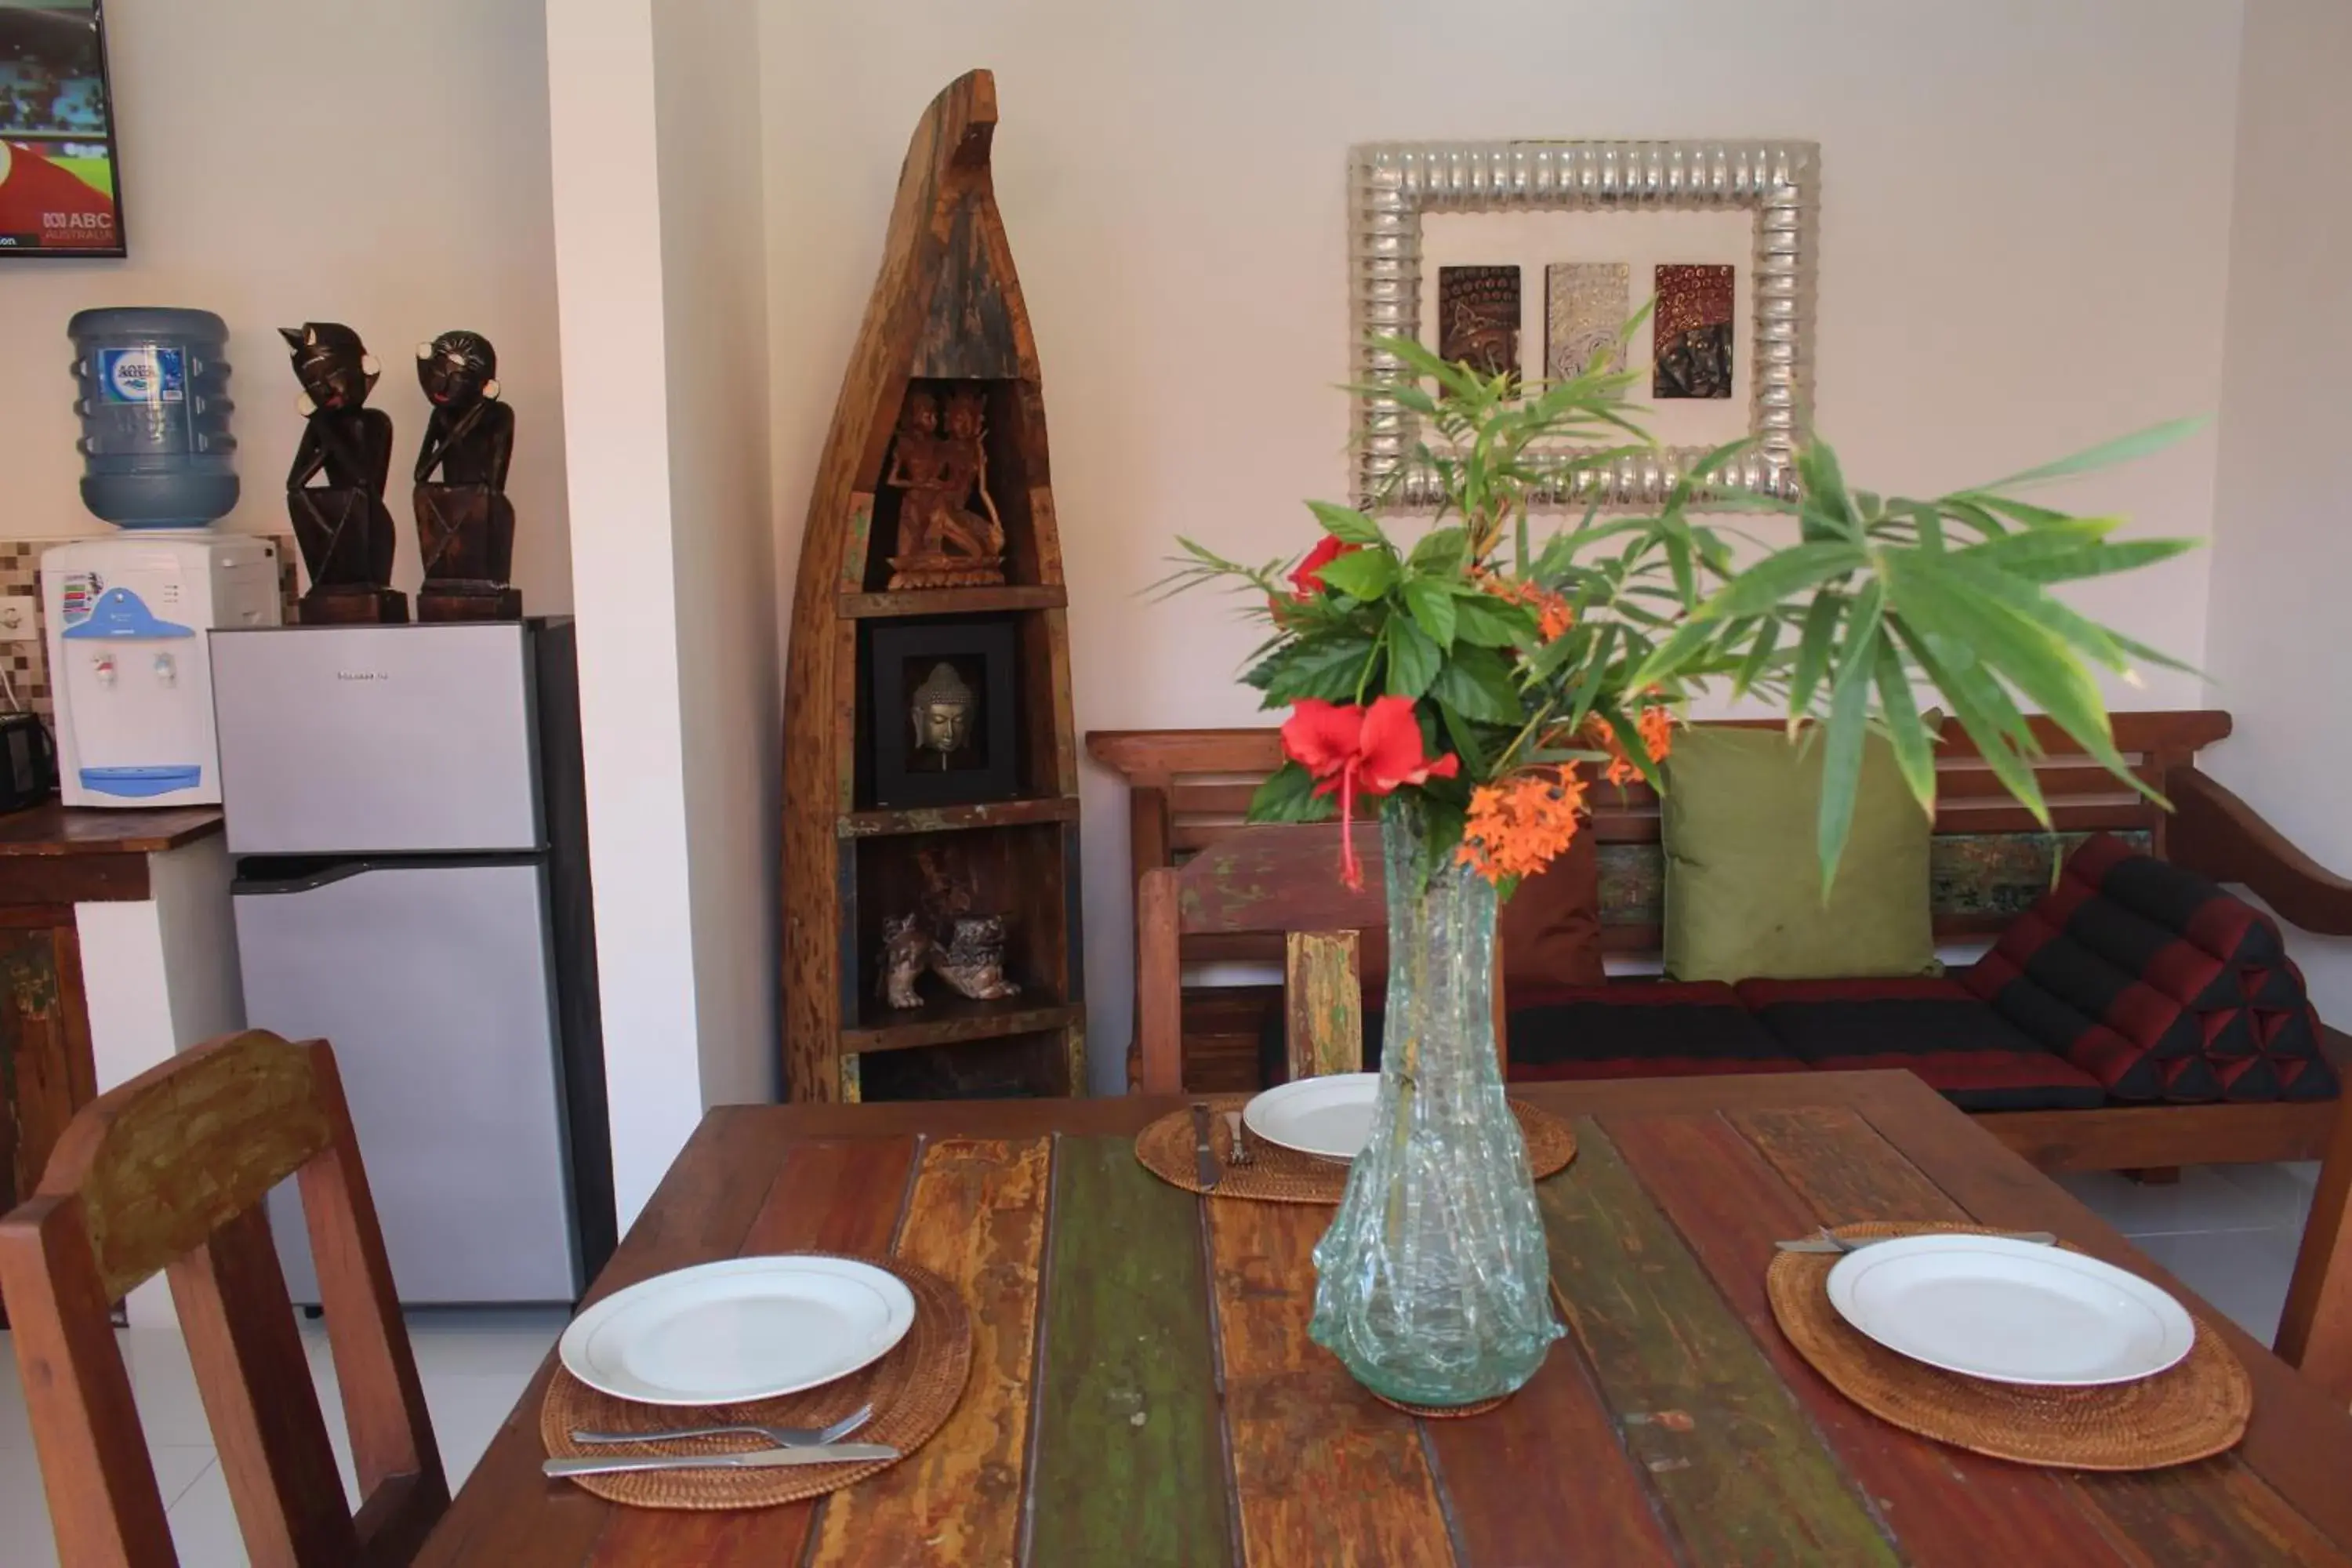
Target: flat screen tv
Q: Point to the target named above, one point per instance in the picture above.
(60, 187)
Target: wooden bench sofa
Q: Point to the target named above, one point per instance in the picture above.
(1187, 790)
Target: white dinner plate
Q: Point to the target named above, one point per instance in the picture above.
(2010, 1310)
(1329, 1117)
(748, 1328)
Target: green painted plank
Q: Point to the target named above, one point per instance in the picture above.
(1130, 1462)
(1738, 1470)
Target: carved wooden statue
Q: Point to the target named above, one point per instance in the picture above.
(342, 525)
(464, 524)
(942, 542)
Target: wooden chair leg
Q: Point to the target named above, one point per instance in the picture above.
(2315, 1327)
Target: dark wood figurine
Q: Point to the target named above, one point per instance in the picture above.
(464, 524)
(341, 524)
(942, 542)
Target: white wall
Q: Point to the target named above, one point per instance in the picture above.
(714, 271)
(2023, 250)
(285, 161)
(2283, 529)
(662, 319)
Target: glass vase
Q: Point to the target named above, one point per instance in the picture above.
(1433, 1284)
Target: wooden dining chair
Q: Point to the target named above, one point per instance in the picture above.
(1269, 878)
(168, 1173)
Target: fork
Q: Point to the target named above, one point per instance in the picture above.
(1238, 1149)
(781, 1436)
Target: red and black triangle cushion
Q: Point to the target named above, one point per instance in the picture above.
(2157, 983)
(1637, 1029)
(1933, 1026)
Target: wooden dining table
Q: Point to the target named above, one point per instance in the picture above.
(1143, 1390)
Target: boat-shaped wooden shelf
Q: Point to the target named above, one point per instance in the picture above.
(945, 329)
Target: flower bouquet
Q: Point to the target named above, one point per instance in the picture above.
(1477, 680)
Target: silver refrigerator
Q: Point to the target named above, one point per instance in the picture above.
(405, 809)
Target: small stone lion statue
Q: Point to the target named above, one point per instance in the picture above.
(973, 960)
(907, 947)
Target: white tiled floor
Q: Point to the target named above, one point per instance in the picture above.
(2229, 1232)
(474, 1365)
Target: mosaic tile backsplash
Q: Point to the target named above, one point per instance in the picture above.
(26, 664)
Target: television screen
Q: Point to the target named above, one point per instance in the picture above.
(59, 187)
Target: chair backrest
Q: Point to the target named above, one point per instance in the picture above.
(1280, 880)
(168, 1173)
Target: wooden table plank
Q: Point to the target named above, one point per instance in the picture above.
(1546, 1468)
(977, 1217)
(835, 1196)
(1741, 1474)
(1944, 1505)
(1322, 1472)
(1130, 1463)
(507, 1513)
(2213, 1512)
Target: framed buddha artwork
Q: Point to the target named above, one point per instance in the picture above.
(944, 723)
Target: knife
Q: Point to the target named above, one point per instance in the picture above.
(1833, 1243)
(754, 1459)
(1204, 1159)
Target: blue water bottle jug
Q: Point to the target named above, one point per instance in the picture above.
(155, 415)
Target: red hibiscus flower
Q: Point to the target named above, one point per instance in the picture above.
(1369, 751)
(1306, 577)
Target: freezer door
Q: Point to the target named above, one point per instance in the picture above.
(432, 983)
(377, 739)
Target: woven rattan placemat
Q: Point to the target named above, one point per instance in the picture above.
(2190, 1411)
(912, 1390)
(1279, 1175)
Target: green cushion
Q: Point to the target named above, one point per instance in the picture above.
(1743, 877)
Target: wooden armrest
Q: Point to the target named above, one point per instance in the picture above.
(2215, 834)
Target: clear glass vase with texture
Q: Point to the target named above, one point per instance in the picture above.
(1433, 1283)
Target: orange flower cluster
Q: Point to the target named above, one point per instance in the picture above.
(1553, 617)
(1656, 724)
(1519, 825)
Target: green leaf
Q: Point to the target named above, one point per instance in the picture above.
(1477, 684)
(1365, 574)
(1414, 658)
(1465, 742)
(2122, 450)
(1439, 551)
(1488, 622)
(1814, 645)
(1841, 767)
(1914, 750)
(1432, 605)
(1985, 713)
(1759, 654)
(1346, 524)
(1324, 666)
(1780, 575)
(1288, 795)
